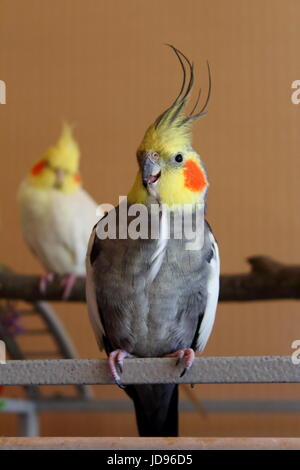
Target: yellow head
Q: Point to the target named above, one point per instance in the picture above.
(169, 168)
(58, 168)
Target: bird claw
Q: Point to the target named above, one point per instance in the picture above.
(186, 356)
(115, 360)
(67, 283)
(183, 372)
(44, 280)
(120, 366)
(119, 383)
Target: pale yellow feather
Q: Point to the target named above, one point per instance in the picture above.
(65, 154)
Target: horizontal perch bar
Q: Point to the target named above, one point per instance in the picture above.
(255, 369)
(26, 287)
(71, 404)
(149, 443)
(267, 280)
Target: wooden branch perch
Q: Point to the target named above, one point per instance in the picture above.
(268, 279)
(26, 287)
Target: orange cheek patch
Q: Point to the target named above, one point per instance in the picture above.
(38, 168)
(194, 177)
(77, 178)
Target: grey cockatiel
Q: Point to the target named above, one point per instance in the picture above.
(154, 297)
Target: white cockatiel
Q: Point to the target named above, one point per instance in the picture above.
(57, 215)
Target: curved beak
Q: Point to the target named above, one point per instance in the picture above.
(150, 168)
(59, 177)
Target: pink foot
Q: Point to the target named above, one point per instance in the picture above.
(115, 359)
(67, 283)
(44, 280)
(185, 355)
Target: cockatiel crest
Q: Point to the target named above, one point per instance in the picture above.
(170, 133)
(59, 165)
(65, 153)
(173, 167)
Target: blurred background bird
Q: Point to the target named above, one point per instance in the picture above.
(56, 213)
(157, 297)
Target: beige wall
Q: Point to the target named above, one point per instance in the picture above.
(102, 65)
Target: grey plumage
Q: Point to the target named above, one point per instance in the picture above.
(149, 320)
(154, 297)
(154, 319)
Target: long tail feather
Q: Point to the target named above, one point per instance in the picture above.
(156, 408)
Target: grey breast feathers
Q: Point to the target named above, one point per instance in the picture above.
(174, 311)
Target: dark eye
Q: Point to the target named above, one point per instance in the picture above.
(179, 158)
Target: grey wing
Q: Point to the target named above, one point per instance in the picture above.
(213, 282)
(94, 314)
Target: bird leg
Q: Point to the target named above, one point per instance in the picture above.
(44, 280)
(115, 360)
(67, 283)
(187, 356)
